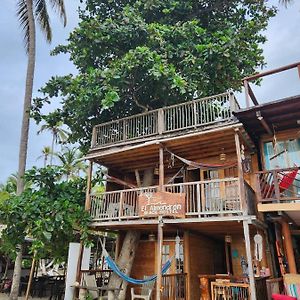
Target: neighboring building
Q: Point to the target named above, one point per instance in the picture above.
(208, 153)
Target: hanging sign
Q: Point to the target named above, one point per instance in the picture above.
(161, 204)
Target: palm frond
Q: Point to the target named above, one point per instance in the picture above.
(42, 17)
(59, 6)
(286, 2)
(22, 14)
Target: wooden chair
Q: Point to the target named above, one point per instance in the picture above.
(146, 291)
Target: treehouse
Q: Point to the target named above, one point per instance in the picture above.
(181, 181)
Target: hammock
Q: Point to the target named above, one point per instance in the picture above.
(202, 165)
(113, 266)
(125, 277)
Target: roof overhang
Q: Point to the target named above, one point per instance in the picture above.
(277, 115)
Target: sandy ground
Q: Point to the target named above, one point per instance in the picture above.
(5, 297)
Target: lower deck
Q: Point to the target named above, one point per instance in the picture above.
(204, 253)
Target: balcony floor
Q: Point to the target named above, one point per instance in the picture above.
(217, 226)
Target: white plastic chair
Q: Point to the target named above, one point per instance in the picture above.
(146, 291)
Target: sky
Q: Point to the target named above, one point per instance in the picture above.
(282, 48)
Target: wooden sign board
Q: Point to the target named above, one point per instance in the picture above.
(152, 204)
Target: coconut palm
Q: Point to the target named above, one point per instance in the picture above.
(70, 159)
(59, 135)
(29, 12)
(10, 185)
(46, 152)
(285, 2)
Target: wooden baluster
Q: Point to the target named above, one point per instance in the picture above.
(160, 122)
(121, 205)
(276, 185)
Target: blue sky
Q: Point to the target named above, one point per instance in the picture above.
(282, 47)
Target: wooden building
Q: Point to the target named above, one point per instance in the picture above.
(208, 162)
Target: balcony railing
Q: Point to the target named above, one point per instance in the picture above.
(174, 286)
(203, 199)
(278, 185)
(193, 114)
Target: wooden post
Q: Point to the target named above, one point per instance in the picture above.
(88, 187)
(94, 137)
(159, 257)
(160, 121)
(161, 168)
(249, 260)
(247, 93)
(186, 265)
(87, 208)
(286, 232)
(276, 186)
(30, 279)
(240, 173)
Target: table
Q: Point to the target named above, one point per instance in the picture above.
(110, 291)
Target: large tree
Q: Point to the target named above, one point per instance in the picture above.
(28, 12)
(133, 56)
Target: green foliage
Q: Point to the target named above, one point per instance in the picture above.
(138, 55)
(71, 163)
(48, 213)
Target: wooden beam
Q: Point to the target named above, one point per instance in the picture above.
(187, 262)
(159, 257)
(88, 187)
(250, 147)
(268, 207)
(249, 260)
(277, 70)
(240, 173)
(247, 96)
(252, 96)
(161, 168)
(263, 123)
(289, 247)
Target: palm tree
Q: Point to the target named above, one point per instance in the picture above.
(28, 12)
(59, 135)
(285, 2)
(46, 152)
(70, 159)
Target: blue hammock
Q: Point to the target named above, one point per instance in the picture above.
(125, 277)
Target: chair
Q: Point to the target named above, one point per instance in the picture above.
(292, 285)
(90, 282)
(284, 184)
(146, 291)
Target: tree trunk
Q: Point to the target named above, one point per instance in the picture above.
(129, 247)
(125, 261)
(52, 149)
(24, 135)
(16, 276)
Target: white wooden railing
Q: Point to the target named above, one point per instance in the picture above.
(203, 199)
(193, 114)
(230, 290)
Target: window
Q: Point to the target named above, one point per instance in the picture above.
(286, 154)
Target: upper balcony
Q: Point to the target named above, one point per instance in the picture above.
(203, 200)
(198, 114)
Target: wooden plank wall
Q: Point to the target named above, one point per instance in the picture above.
(144, 262)
(205, 258)
(238, 244)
